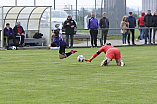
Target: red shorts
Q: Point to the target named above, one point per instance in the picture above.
(113, 53)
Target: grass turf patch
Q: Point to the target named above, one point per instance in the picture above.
(38, 76)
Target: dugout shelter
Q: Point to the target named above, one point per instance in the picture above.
(30, 18)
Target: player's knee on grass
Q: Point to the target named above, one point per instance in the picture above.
(118, 62)
(108, 60)
(61, 56)
(105, 62)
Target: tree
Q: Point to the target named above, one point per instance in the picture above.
(135, 15)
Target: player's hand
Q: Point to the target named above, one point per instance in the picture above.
(48, 47)
(72, 26)
(89, 60)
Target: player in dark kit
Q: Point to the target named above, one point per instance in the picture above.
(111, 53)
(59, 43)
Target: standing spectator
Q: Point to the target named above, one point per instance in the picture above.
(132, 24)
(104, 23)
(92, 24)
(124, 24)
(69, 26)
(154, 25)
(148, 21)
(9, 34)
(19, 33)
(141, 25)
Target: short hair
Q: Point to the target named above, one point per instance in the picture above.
(104, 13)
(148, 10)
(7, 24)
(56, 32)
(18, 22)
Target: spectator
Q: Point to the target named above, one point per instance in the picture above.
(69, 26)
(132, 24)
(124, 24)
(104, 23)
(19, 33)
(92, 24)
(141, 25)
(9, 34)
(148, 21)
(155, 25)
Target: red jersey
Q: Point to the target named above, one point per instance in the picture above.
(105, 48)
(113, 53)
(110, 51)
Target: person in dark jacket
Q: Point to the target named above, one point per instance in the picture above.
(104, 23)
(19, 33)
(92, 24)
(148, 21)
(132, 24)
(69, 26)
(141, 25)
(154, 25)
(9, 34)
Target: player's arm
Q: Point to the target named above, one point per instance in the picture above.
(95, 55)
(55, 48)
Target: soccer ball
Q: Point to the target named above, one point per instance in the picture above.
(13, 47)
(80, 58)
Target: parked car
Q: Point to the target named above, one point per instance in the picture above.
(57, 19)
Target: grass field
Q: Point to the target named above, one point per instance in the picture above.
(39, 77)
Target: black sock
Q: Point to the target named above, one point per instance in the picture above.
(68, 54)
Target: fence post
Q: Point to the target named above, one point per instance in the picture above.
(149, 35)
(101, 37)
(2, 32)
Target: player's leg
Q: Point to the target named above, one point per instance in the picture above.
(118, 57)
(71, 42)
(61, 56)
(105, 36)
(92, 36)
(120, 62)
(67, 40)
(62, 53)
(22, 40)
(105, 62)
(7, 42)
(95, 37)
(14, 41)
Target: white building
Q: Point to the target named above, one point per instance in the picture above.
(149, 4)
(115, 10)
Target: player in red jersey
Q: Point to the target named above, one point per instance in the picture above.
(111, 53)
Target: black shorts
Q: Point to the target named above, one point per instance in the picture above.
(53, 44)
(61, 49)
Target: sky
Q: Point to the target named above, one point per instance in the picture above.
(59, 3)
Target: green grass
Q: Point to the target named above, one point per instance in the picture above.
(39, 77)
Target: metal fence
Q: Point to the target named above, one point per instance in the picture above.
(83, 36)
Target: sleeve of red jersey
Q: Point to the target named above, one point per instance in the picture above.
(98, 52)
